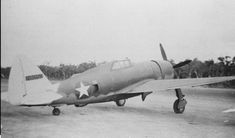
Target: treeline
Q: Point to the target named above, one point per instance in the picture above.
(56, 72)
(65, 71)
(224, 66)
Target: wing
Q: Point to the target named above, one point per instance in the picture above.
(158, 85)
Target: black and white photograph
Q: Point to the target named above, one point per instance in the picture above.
(117, 69)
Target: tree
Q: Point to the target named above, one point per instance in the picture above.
(209, 64)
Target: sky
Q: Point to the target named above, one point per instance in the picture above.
(76, 31)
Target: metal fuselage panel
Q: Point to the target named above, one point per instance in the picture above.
(111, 80)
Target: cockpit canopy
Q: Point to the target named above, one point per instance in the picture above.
(120, 64)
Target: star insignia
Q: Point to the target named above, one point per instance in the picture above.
(83, 89)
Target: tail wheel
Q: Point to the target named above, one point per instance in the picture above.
(121, 102)
(56, 111)
(179, 106)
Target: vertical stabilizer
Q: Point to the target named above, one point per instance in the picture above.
(28, 85)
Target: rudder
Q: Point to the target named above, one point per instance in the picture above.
(28, 85)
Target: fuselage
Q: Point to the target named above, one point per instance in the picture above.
(106, 79)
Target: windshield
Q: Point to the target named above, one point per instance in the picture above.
(121, 64)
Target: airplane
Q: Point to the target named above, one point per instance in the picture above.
(113, 81)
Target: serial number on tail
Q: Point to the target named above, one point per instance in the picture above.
(34, 77)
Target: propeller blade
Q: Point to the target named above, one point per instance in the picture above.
(163, 52)
(182, 63)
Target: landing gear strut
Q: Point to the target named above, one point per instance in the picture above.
(180, 103)
(120, 102)
(56, 111)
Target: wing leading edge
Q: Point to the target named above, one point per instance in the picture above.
(159, 85)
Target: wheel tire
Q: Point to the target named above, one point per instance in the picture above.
(176, 109)
(121, 102)
(56, 111)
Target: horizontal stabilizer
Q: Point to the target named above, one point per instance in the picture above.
(40, 98)
(230, 111)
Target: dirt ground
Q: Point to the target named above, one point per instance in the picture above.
(154, 117)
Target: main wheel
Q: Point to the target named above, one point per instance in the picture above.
(121, 102)
(179, 106)
(56, 111)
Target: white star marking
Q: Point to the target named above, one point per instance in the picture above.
(82, 89)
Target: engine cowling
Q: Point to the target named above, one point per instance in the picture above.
(166, 69)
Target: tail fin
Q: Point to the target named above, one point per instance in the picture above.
(28, 85)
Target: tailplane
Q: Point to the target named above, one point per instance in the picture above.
(28, 85)
(232, 110)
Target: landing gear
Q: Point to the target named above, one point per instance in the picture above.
(56, 111)
(180, 103)
(120, 102)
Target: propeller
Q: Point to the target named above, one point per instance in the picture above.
(183, 63)
(163, 52)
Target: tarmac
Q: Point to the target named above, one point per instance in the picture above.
(203, 117)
